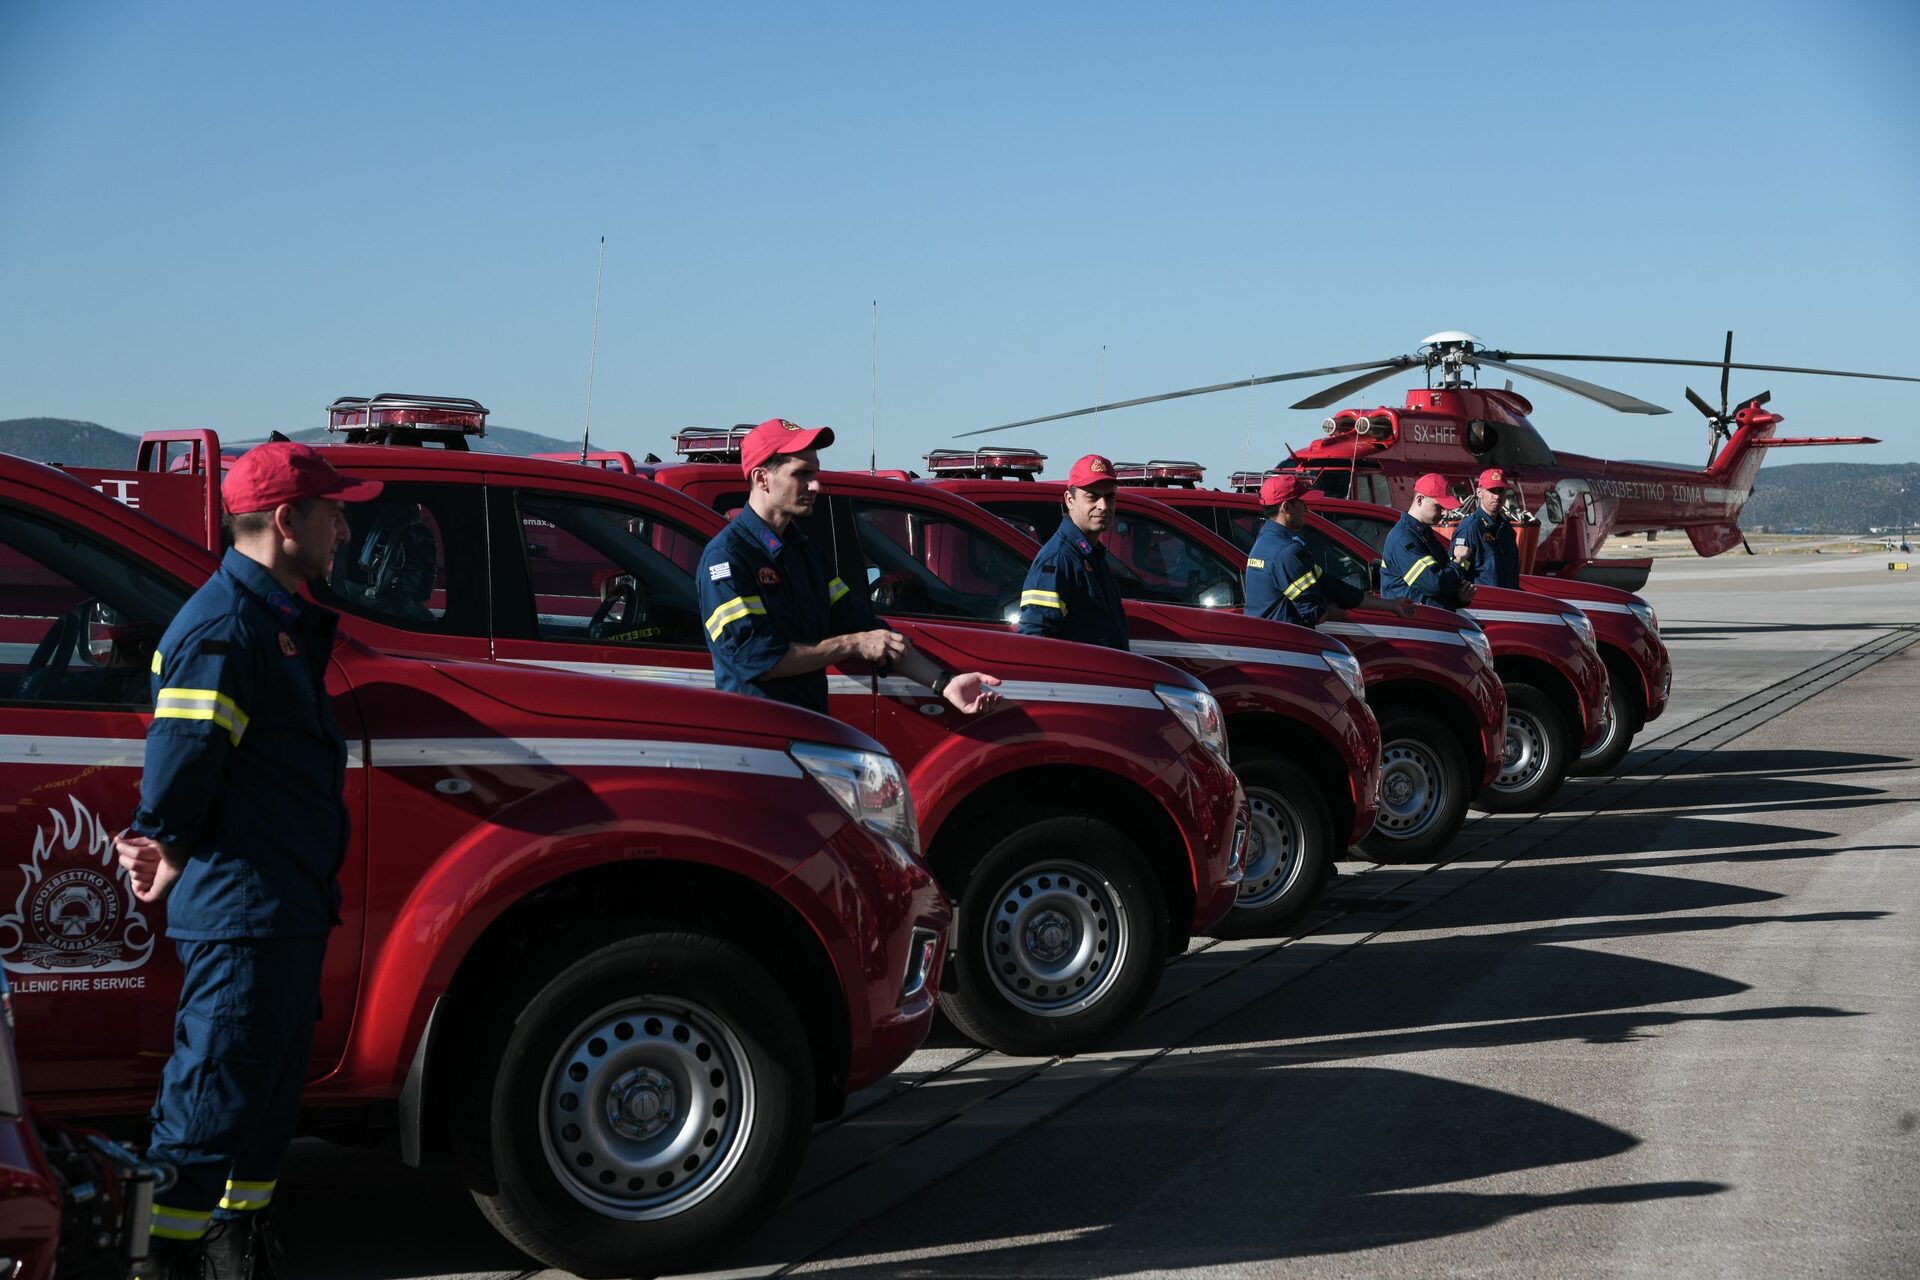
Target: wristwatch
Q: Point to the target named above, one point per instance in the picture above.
(940, 683)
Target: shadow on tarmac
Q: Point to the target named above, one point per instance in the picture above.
(1340, 1163)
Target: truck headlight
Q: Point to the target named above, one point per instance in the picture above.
(1199, 712)
(1477, 641)
(1644, 611)
(1582, 626)
(1347, 667)
(871, 788)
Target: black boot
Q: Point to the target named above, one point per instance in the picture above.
(173, 1260)
(229, 1249)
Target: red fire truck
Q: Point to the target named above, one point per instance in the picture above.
(1086, 827)
(1639, 671)
(618, 949)
(1304, 743)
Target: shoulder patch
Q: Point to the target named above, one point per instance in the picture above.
(1255, 564)
(718, 571)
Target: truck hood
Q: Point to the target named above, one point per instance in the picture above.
(1012, 656)
(551, 702)
(1224, 626)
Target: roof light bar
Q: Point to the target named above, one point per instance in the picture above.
(1250, 481)
(390, 410)
(991, 462)
(1161, 473)
(711, 444)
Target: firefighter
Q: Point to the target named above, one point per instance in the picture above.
(776, 616)
(1414, 560)
(1484, 546)
(241, 830)
(1284, 582)
(1070, 592)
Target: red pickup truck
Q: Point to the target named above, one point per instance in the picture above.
(1086, 826)
(1303, 741)
(618, 948)
(1639, 670)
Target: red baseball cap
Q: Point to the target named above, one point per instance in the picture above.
(1493, 478)
(1432, 485)
(1275, 490)
(776, 436)
(269, 474)
(1091, 470)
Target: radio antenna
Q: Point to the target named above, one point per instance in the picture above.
(1099, 380)
(1246, 446)
(873, 402)
(593, 350)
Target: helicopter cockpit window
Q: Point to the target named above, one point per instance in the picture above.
(1508, 444)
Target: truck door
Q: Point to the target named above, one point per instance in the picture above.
(94, 979)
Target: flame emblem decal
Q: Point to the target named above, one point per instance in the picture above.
(76, 910)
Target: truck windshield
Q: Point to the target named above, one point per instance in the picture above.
(1151, 559)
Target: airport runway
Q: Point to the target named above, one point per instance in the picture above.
(1672, 1028)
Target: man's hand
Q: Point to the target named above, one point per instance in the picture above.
(1467, 590)
(148, 866)
(971, 691)
(1402, 606)
(881, 646)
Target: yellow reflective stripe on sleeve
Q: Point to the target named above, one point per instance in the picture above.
(1255, 564)
(1420, 566)
(247, 1195)
(202, 704)
(835, 590)
(156, 662)
(180, 1224)
(1042, 600)
(1302, 582)
(731, 612)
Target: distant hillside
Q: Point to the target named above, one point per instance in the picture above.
(79, 444)
(88, 444)
(1832, 497)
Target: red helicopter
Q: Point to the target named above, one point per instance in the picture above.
(1566, 504)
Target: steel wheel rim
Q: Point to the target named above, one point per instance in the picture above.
(646, 1108)
(1274, 852)
(1056, 938)
(1412, 789)
(1524, 757)
(1613, 727)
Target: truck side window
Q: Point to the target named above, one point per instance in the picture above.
(606, 573)
(406, 561)
(921, 563)
(79, 624)
(1336, 559)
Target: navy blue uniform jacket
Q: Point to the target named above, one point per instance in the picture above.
(1285, 584)
(761, 592)
(244, 763)
(1494, 547)
(1070, 592)
(1417, 566)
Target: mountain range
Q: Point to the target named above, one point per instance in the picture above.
(1819, 497)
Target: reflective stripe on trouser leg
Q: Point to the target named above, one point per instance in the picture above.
(170, 1223)
(230, 1094)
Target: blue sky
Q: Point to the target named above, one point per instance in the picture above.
(228, 214)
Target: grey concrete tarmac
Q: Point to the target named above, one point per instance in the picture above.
(1672, 1028)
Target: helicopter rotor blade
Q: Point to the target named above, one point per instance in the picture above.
(1697, 364)
(1700, 404)
(1754, 402)
(1341, 390)
(1392, 362)
(1619, 400)
(1726, 372)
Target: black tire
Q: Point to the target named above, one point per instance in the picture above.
(657, 1016)
(1423, 789)
(1290, 849)
(1537, 754)
(1060, 936)
(1607, 753)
